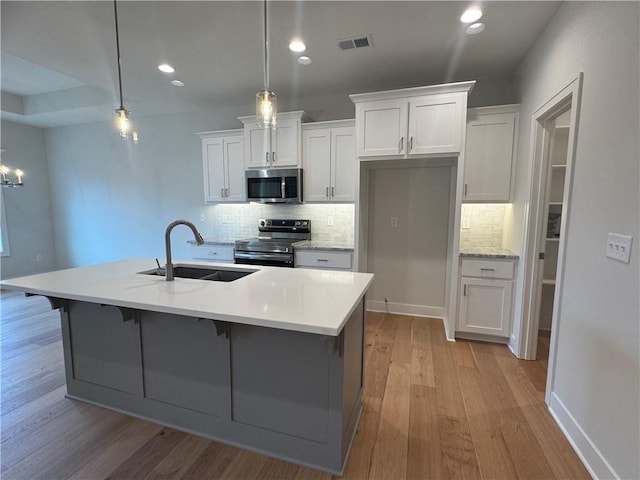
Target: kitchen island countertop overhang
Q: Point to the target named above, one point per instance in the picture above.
(302, 300)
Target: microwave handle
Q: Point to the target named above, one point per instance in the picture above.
(283, 189)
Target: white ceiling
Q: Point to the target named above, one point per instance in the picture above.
(59, 58)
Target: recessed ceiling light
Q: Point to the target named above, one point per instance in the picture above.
(177, 83)
(166, 68)
(471, 14)
(475, 28)
(297, 45)
(304, 60)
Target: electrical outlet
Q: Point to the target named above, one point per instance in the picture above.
(203, 217)
(39, 257)
(619, 247)
(225, 218)
(330, 221)
(466, 223)
(394, 222)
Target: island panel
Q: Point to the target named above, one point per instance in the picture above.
(186, 362)
(291, 395)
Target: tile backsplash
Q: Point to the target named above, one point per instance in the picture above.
(486, 225)
(242, 220)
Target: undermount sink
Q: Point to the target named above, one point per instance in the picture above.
(214, 274)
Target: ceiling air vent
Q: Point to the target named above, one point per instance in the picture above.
(355, 42)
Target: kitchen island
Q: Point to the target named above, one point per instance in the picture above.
(272, 362)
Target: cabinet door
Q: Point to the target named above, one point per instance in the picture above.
(286, 144)
(234, 169)
(382, 128)
(323, 259)
(213, 253)
(105, 349)
(485, 306)
(213, 169)
(316, 164)
(257, 142)
(281, 381)
(488, 159)
(435, 125)
(343, 165)
(185, 363)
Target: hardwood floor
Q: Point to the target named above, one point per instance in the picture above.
(432, 409)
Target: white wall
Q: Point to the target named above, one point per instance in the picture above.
(596, 394)
(410, 260)
(27, 208)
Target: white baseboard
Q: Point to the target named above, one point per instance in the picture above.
(406, 309)
(591, 457)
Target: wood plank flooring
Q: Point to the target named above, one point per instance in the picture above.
(432, 409)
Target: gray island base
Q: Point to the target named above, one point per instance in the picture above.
(292, 395)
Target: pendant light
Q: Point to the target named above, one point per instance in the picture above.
(123, 123)
(266, 102)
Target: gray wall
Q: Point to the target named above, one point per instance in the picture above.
(410, 260)
(597, 370)
(27, 208)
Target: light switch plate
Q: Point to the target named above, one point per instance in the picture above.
(203, 217)
(619, 247)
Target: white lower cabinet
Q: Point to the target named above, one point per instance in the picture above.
(486, 297)
(323, 259)
(213, 253)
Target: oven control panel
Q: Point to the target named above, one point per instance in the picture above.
(283, 225)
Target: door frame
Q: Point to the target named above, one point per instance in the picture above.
(543, 120)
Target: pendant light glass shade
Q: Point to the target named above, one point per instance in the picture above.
(266, 108)
(123, 124)
(266, 102)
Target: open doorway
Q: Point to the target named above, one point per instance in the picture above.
(554, 133)
(552, 220)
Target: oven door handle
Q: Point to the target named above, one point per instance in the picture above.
(288, 258)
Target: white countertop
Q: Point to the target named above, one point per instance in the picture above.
(304, 300)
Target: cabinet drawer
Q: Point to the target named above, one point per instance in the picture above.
(487, 269)
(216, 253)
(324, 259)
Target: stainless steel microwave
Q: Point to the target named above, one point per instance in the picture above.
(275, 185)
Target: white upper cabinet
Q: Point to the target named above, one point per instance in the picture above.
(382, 127)
(412, 122)
(223, 166)
(434, 125)
(279, 147)
(489, 153)
(329, 161)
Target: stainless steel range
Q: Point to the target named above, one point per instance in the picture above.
(274, 245)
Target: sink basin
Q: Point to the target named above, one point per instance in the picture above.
(214, 274)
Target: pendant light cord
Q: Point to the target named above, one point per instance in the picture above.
(266, 50)
(115, 11)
